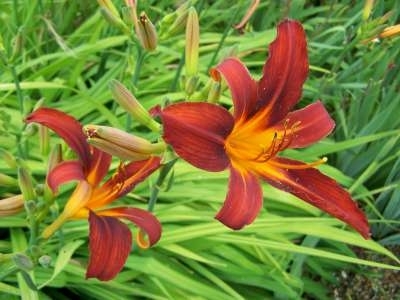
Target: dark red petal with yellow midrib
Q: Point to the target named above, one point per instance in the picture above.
(243, 201)
(243, 88)
(99, 165)
(143, 219)
(67, 127)
(284, 72)
(314, 123)
(123, 181)
(319, 190)
(64, 172)
(110, 242)
(197, 132)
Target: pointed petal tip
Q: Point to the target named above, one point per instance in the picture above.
(243, 201)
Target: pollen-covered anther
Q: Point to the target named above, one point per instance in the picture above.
(90, 132)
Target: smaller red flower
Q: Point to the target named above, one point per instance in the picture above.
(110, 240)
(262, 125)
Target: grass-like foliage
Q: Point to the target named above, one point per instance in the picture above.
(65, 54)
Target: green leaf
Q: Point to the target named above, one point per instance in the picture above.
(63, 259)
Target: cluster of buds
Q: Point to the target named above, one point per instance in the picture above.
(144, 28)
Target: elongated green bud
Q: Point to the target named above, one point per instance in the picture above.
(26, 184)
(174, 22)
(114, 20)
(192, 43)
(132, 105)
(122, 144)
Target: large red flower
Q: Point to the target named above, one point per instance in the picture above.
(110, 240)
(248, 142)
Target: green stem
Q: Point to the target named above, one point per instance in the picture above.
(164, 171)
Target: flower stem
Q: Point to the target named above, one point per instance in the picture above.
(164, 171)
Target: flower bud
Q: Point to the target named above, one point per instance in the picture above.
(17, 45)
(191, 84)
(132, 105)
(11, 205)
(7, 181)
(114, 20)
(390, 31)
(175, 22)
(121, 144)
(8, 158)
(215, 92)
(107, 4)
(26, 184)
(192, 43)
(367, 9)
(45, 261)
(146, 32)
(23, 262)
(30, 206)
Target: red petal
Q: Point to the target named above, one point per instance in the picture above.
(141, 218)
(110, 242)
(314, 124)
(64, 172)
(123, 181)
(319, 190)
(243, 88)
(284, 72)
(243, 202)
(67, 127)
(99, 166)
(197, 132)
(136, 172)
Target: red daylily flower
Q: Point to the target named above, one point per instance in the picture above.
(110, 240)
(248, 142)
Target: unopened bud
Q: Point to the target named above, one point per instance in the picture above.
(367, 9)
(192, 43)
(26, 184)
(17, 45)
(107, 4)
(55, 157)
(30, 206)
(11, 205)
(114, 20)
(44, 140)
(45, 261)
(8, 158)
(132, 105)
(7, 181)
(191, 84)
(146, 32)
(214, 92)
(390, 31)
(121, 144)
(23, 262)
(174, 22)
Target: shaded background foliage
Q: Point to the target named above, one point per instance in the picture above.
(64, 53)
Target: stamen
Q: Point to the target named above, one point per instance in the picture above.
(299, 167)
(266, 154)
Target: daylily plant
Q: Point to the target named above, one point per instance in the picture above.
(262, 125)
(110, 240)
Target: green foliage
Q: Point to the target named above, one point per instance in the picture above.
(64, 54)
